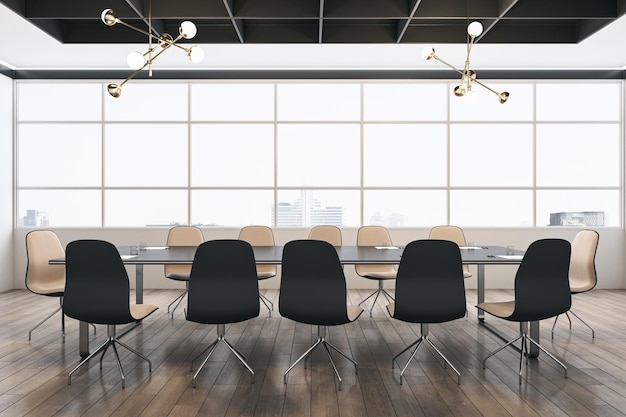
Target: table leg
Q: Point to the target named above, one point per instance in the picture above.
(139, 283)
(534, 334)
(480, 280)
(83, 339)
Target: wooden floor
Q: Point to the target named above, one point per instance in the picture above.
(33, 375)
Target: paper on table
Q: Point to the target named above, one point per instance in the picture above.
(470, 247)
(386, 247)
(128, 256)
(155, 247)
(512, 257)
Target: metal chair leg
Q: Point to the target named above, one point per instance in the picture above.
(524, 349)
(268, 303)
(102, 349)
(375, 294)
(177, 300)
(593, 333)
(321, 340)
(424, 338)
(60, 308)
(221, 330)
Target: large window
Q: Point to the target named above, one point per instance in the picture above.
(302, 153)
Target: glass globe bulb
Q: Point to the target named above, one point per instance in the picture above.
(428, 53)
(196, 54)
(135, 60)
(475, 29)
(188, 29)
(108, 17)
(459, 91)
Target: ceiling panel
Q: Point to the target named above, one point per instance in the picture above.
(326, 21)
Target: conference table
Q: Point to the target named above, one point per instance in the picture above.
(481, 256)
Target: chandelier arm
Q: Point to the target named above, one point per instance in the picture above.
(128, 25)
(448, 65)
(485, 86)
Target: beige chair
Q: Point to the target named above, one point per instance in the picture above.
(330, 234)
(261, 236)
(375, 236)
(181, 236)
(42, 278)
(454, 234)
(582, 270)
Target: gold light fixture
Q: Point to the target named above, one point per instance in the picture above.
(468, 77)
(139, 61)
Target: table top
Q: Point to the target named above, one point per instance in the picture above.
(347, 255)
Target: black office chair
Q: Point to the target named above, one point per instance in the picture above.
(313, 291)
(97, 291)
(541, 291)
(223, 288)
(429, 289)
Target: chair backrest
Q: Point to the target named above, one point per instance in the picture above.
(42, 278)
(330, 234)
(452, 233)
(223, 285)
(373, 236)
(96, 288)
(430, 286)
(541, 283)
(582, 267)
(259, 236)
(182, 236)
(312, 284)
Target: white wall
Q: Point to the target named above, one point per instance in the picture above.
(609, 259)
(6, 184)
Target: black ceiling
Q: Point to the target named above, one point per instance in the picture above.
(326, 21)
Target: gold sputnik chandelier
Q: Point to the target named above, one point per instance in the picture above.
(139, 61)
(468, 77)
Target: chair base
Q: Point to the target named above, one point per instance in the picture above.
(375, 294)
(268, 303)
(423, 338)
(221, 329)
(109, 342)
(178, 300)
(524, 350)
(593, 333)
(321, 340)
(59, 308)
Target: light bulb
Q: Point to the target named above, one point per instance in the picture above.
(135, 60)
(475, 28)
(108, 17)
(196, 54)
(187, 29)
(459, 91)
(115, 90)
(503, 97)
(428, 53)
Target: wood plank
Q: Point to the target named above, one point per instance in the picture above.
(33, 375)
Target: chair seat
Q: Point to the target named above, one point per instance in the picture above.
(467, 274)
(141, 311)
(265, 274)
(580, 287)
(381, 275)
(354, 312)
(55, 288)
(500, 309)
(178, 277)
